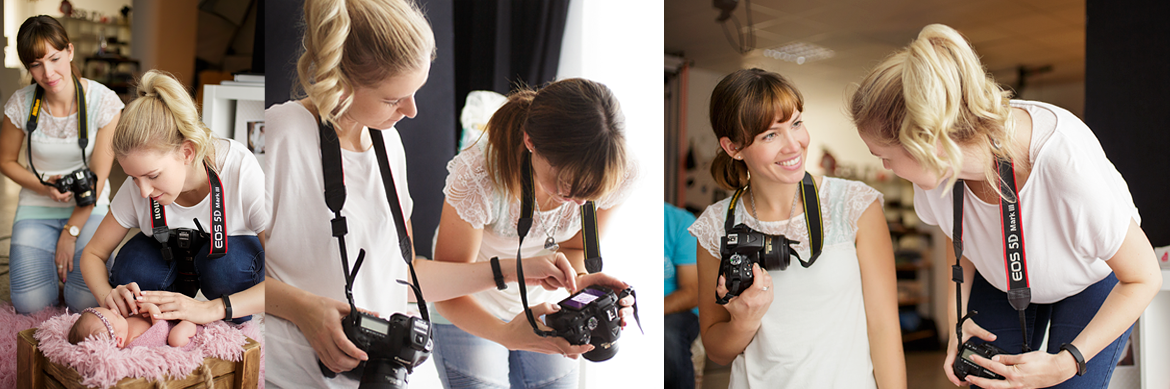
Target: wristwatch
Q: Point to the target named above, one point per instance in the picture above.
(73, 230)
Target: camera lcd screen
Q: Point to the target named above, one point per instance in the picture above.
(580, 300)
(375, 325)
(967, 353)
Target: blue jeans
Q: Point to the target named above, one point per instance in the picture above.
(34, 271)
(681, 330)
(140, 260)
(467, 361)
(1067, 317)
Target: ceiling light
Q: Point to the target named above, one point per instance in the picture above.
(799, 52)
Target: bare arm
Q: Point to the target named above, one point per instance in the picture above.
(93, 263)
(726, 335)
(875, 255)
(687, 294)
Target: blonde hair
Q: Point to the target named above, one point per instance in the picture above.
(936, 94)
(576, 124)
(161, 118)
(743, 105)
(352, 43)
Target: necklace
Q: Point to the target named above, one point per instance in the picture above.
(752, 197)
(549, 243)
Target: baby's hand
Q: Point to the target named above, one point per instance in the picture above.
(148, 310)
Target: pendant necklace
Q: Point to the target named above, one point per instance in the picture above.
(549, 243)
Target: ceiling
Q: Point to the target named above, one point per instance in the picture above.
(1007, 34)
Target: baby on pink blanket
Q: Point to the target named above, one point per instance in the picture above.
(136, 330)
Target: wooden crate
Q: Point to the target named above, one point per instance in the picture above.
(35, 371)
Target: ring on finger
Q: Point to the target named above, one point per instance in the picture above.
(765, 288)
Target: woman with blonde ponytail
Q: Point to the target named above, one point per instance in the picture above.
(181, 173)
(571, 133)
(934, 116)
(363, 62)
(829, 323)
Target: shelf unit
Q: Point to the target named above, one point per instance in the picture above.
(1153, 339)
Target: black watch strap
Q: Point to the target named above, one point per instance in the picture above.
(1076, 354)
(498, 274)
(227, 307)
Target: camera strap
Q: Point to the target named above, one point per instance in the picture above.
(218, 232)
(1014, 258)
(812, 217)
(332, 170)
(82, 124)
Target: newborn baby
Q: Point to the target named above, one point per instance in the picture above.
(103, 322)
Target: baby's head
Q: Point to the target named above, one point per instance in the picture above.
(100, 323)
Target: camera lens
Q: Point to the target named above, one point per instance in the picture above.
(774, 256)
(600, 353)
(383, 373)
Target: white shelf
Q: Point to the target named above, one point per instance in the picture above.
(1153, 346)
(219, 106)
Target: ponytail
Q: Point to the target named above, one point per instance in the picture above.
(161, 118)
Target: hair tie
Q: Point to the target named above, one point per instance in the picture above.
(104, 321)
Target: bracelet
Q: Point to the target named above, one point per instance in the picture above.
(227, 307)
(498, 274)
(1076, 354)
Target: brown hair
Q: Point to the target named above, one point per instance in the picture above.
(351, 43)
(935, 94)
(743, 105)
(34, 33)
(576, 124)
(77, 333)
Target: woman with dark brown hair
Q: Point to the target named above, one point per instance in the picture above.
(572, 132)
(67, 123)
(831, 322)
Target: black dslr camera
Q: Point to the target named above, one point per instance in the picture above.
(395, 347)
(964, 366)
(591, 316)
(81, 183)
(743, 246)
(187, 242)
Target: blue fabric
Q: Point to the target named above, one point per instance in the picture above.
(33, 274)
(679, 246)
(141, 261)
(681, 330)
(467, 361)
(1066, 319)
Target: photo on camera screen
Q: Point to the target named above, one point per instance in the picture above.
(580, 300)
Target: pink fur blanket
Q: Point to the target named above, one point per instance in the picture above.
(101, 364)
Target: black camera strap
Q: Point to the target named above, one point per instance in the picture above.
(335, 194)
(82, 124)
(592, 251)
(1014, 259)
(812, 216)
(218, 232)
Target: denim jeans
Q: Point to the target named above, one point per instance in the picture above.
(140, 260)
(34, 270)
(467, 361)
(681, 330)
(1066, 318)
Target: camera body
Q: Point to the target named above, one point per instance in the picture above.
(590, 316)
(394, 347)
(964, 366)
(184, 243)
(743, 246)
(81, 183)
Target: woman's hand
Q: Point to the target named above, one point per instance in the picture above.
(123, 299)
(551, 271)
(1037, 369)
(52, 192)
(617, 286)
(969, 329)
(66, 246)
(321, 325)
(749, 307)
(518, 335)
(177, 306)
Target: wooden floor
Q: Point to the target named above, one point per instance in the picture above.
(924, 370)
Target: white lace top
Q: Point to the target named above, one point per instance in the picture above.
(814, 334)
(470, 191)
(54, 143)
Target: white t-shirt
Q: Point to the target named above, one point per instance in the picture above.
(244, 208)
(54, 143)
(470, 191)
(1075, 209)
(301, 250)
(814, 334)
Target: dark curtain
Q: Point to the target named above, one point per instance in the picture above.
(1125, 99)
(502, 43)
(427, 148)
